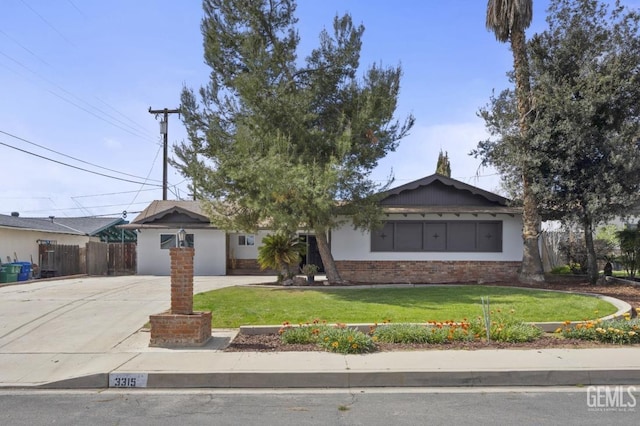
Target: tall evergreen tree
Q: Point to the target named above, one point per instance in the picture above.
(443, 167)
(508, 20)
(280, 141)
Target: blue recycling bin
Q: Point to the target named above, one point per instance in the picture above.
(25, 270)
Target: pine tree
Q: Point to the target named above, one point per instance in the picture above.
(443, 167)
(280, 142)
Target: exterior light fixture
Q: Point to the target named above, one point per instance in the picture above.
(182, 237)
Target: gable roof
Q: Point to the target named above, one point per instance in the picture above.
(441, 194)
(171, 213)
(64, 225)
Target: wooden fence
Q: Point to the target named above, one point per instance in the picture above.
(95, 258)
(58, 260)
(122, 259)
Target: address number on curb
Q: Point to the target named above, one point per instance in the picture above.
(128, 380)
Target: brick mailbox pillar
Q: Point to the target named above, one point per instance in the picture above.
(181, 326)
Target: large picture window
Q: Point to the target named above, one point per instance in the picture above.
(442, 236)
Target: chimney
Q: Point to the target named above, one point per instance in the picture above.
(15, 214)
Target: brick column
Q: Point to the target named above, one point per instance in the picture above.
(181, 326)
(181, 280)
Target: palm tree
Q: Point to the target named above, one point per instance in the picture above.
(280, 251)
(508, 19)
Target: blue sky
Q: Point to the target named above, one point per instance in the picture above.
(78, 77)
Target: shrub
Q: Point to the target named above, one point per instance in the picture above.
(575, 252)
(561, 270)
(303, 334)
(629, 250)
(506, 328)
(346, 341)
(623, 332)
(401, 333)
(338, 338)
(341, 339)
(435, 332)
(309, 269)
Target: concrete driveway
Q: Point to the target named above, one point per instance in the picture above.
(88, 314)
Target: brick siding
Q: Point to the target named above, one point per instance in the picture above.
(423, 272)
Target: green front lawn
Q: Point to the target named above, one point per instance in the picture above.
(236, 306)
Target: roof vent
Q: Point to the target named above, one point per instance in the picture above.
(15, 214)
(51, 218)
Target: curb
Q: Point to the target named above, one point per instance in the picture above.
(346, 379)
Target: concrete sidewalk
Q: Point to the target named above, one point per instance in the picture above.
(84, 333)
(210, 367)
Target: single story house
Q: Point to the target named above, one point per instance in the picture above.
(20, 237)
(436, 229)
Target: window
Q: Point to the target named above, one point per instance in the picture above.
(438, 236)
(171, 240)
(246, 240)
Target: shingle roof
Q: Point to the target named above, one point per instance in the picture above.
(449, 182)
(151, 217)
(62, 225)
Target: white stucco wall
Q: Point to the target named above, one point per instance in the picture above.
(24, 243)
(245, 252)
(350, 244)
(210, 252)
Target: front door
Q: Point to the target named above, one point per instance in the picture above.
(313, 254)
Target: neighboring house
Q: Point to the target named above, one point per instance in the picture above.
(20, 237)
(436, 230)
(157, 227)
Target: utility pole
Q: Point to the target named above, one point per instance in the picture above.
(164, 131)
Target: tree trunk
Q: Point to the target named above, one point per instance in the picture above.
(592, 261)
(327, 258)
(531, 271)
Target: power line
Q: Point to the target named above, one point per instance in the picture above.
(76, 167)
(25, 48)
(48, 23)
(76, 159)
(131, 130)
(138, 125)
(121, 114)
(77, 8)
(148, 174)
(115, 214)
(110, 193)
(83, 208)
